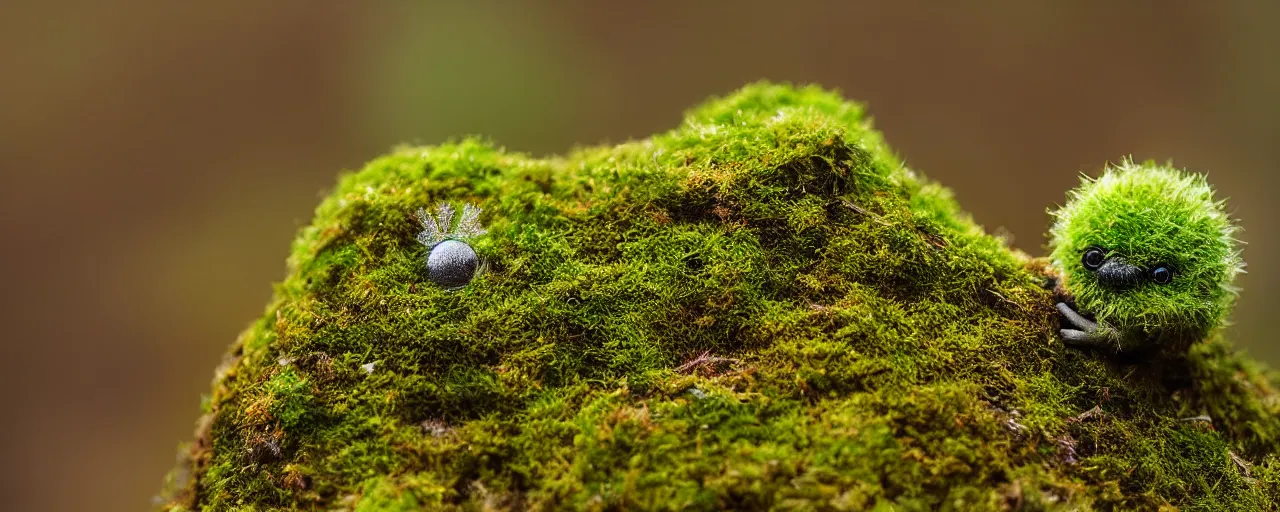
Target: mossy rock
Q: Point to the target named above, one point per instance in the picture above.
(763, 308)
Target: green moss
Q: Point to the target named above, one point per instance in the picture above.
(761, 308)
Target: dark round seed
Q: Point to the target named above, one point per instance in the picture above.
(452, 264)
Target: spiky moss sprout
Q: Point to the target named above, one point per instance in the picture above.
(762, 308)
(1172, 247)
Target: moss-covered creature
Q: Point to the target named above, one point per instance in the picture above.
(1150, 253)
(762, 308)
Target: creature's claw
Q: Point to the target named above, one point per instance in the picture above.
(1074, 337)
(1080, 322)
(1086, 332)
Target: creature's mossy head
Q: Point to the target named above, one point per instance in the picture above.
(1148, 250)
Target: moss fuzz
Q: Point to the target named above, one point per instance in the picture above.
(760, 308)
(1150, 216)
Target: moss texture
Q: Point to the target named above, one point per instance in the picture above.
(762, 308)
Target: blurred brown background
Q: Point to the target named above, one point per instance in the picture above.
(156, 157)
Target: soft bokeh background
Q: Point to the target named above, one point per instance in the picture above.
(156, 157)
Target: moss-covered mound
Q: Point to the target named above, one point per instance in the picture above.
(762, 308)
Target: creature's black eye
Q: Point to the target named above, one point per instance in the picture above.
(1093, 258)
(452, 263)
(1161, 274)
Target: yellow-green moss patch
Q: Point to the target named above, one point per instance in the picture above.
(762, 308)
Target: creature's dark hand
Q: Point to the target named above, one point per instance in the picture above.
(1086, 332)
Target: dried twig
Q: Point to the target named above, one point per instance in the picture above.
(862, 211)
(1244, 465)
(1095, 412)
(1005, 299)
(705, 360)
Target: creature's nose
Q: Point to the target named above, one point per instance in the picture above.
(1118, 273)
